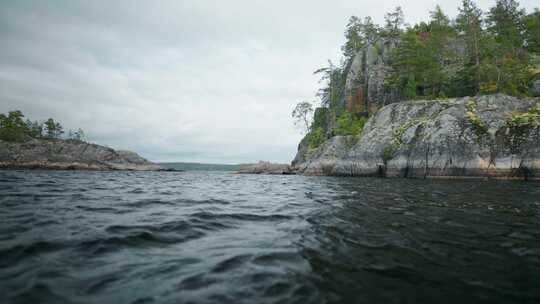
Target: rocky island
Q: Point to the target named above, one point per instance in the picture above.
(38, 145)
(437, 99)
(69, 155)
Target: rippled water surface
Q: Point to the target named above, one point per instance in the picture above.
(215, 237)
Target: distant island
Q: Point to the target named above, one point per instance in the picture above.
(41, 145)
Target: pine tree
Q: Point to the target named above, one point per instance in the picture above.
(532, 31)
(393, 23)
(469, 23)
(509, 59)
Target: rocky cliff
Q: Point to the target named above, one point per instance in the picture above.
(364, 85)
(488, 136)
(69, 155)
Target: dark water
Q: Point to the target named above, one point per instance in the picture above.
(210, 237)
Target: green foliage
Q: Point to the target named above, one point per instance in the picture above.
(12, 127)
(35, 128)
(505, 22)
(532, 31)
(53, 129)
(335, 78)
(301, 115)
(348, 124)
(477, 122)
(393, 23)
(397, 135)
(357, 34)
(410, 88)
(520, 125)
(497, 58)
(320, 119)
(527, 119)
(316, 138)
(388, 153)
(77, 135)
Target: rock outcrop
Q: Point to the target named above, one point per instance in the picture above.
(364, 85)
(69, 155)
(488, 136)
(263, 167)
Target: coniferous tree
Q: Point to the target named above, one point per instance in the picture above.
(509, 60)
(469, 23)
(532, 31)
(354, 39)
(393, 23)
(13, 127)
(54, 129)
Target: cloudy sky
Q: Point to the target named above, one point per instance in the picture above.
(201, 80)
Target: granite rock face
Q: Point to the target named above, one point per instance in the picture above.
(364, 85)
(488, 136)
(69, 155)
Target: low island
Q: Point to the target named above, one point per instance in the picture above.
(35, 145)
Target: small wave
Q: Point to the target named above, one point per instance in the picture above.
(241, 216)
(17, 253)
(107, 210)
(147, 202)
(137, 239)
(196, 282)
(39, 293)
(231, 263)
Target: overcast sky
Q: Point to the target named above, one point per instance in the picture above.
(201, 80)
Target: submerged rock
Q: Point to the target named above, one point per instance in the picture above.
(69, 155)
(263, 167)
(488, 136)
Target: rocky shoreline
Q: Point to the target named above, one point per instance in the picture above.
(263, 167)
(58, 154)
(495, 136)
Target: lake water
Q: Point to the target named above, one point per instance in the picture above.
(216, 237)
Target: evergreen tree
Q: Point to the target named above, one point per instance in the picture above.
(393, 23)
(469, 23)
(54, 129)
(354, 40)
(334, 77)
(13, 127)
(505, 22)
(508, 60)
(35, 128)
(532, 31)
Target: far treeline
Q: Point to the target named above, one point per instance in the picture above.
(475, 53)
(14, 128)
